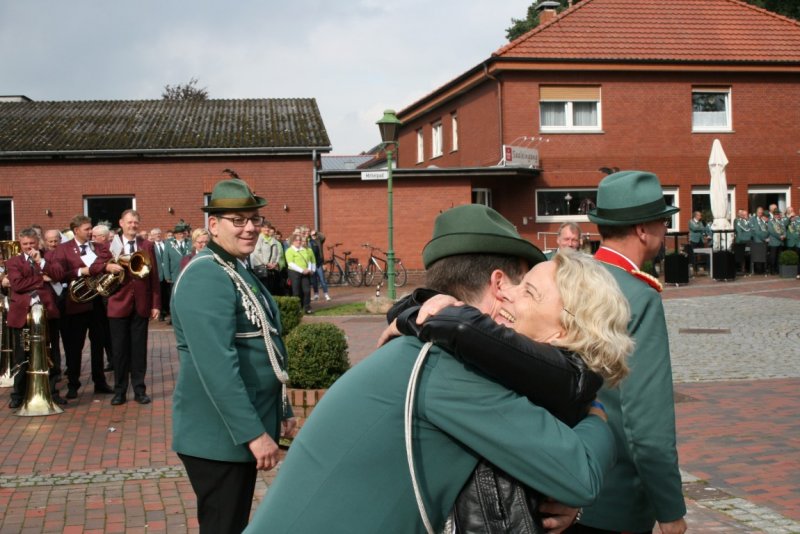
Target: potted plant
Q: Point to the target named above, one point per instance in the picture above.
(787, 264)
(316, 357)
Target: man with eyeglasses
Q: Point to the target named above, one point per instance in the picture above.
(644, 487)
(229, 403)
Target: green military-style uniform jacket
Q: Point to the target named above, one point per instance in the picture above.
(760, 230)
(697, 230)
(175, 251)
(743, 229)
(777, 233)
(227, 393)
(347, 472)
(645, 483)
(793, 233)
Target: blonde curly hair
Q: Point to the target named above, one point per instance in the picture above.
(595, 315)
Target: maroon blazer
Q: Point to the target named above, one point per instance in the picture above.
(141, 295)
(25, 280)
(68, 257)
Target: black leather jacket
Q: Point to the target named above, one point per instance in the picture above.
(492, 501)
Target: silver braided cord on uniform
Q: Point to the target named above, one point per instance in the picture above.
(408, 420)
(254, 312)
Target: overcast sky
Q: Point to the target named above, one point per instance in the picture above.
(356, 57)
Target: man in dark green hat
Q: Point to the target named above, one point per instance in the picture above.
(347, 471)
(645, 485)
(178, 246)
(229, 404)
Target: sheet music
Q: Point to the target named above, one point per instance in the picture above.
(89, 257)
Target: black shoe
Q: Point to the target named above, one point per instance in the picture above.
(15, 403)
(108, 367)
(58, 400)
(72, 393)
(142, 399)
(117, 400)
(103, 388)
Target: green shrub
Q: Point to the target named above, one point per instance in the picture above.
(788, 257)
(291, 313)
(317, 355)
(649, 268)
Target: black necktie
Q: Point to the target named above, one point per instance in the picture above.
(30, 260)
(130, 247)
(83, 249)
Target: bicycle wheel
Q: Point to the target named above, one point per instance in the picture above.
(333, 274)
(369, 274)
(400, 274)
(355, 274)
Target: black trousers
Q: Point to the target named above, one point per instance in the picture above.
(772, 258)
(583, 529)
(301, 287)
(129, 349)
(166, 292)
(76, 326)
(224, 493)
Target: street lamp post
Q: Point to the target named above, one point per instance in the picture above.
(389, 126)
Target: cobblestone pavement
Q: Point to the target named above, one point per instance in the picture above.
(98, 468)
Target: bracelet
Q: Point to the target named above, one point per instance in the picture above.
(598, 404)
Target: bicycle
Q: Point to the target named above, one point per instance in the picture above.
(341, 268)
(378, 264)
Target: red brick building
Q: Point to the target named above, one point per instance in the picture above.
(59, 159)
(607, 84)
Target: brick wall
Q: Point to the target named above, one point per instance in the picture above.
(157, 184)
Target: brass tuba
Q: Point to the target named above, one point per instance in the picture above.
(86, 288)
(6, 347)
(38, 400)
(8, 249)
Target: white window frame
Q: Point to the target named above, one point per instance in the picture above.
(728, 127)
(12, 215)
(675, 225)
(437, 141)
(420, 146)
(559, 218)
(486, 195)
(763, 190)
(569, 114)
(454, 129)
(87, 198)
(706, 190)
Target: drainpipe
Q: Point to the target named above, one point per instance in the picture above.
(315, 188)
(499, 102)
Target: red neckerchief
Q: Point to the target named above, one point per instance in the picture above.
(612, 257)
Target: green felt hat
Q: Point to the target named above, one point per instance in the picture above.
(233, 195)
(181, 226)
(477, 229)
(630, 197)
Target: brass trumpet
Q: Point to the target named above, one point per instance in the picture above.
(6, 347)
(38, 399)
(86, 288)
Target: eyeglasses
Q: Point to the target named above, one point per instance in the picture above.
(240, 222)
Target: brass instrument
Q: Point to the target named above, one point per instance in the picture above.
(86, 288)
(6, 347)
(38, 400)
(8, 249)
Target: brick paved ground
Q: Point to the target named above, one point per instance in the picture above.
(98, 468)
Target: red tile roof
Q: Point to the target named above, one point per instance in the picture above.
(661, 30)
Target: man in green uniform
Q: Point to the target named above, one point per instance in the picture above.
(347, 471)
(177, 247)
(645, 484)
(229, 403)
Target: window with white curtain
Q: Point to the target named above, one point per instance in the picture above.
(420, 147)
(711, 109)
(437, 143)
(454, 128)
(569, 108)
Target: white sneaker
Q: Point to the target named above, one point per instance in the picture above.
(327, 297)
(316, 297)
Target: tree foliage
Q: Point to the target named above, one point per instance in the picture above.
(787, 8)
(186, 91)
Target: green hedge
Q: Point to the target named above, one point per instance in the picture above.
(316, 355)
(291, 313)
(788, 257)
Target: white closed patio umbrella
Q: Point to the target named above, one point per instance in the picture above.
(720, 208)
